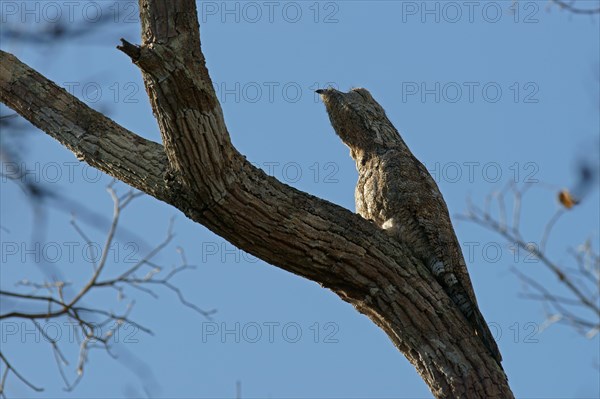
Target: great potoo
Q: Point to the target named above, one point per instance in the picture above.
(397, 193)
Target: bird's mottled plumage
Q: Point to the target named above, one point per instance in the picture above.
(397, 192)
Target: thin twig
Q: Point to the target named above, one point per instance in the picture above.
(17, 374)
(81, 316)
(587, 263)
(575, 10)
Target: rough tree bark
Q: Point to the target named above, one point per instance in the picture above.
(198, 171)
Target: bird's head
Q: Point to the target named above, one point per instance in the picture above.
(359, 120)
(335, 98)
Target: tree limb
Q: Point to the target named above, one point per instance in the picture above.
(91, 136)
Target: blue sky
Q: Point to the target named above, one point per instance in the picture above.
(481, 98)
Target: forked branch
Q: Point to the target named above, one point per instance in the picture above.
(198, 171)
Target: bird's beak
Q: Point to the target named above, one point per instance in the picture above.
(320, 91)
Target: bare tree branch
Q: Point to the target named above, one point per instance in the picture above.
(584, 293)
(10, 368)
(84, 318)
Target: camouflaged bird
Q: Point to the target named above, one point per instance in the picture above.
(396, 192)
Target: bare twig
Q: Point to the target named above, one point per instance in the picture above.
(584, 292)
(571, 7)
(90, 321)
(9, 368)
(548, 228)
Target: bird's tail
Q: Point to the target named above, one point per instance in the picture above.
(483, 331)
